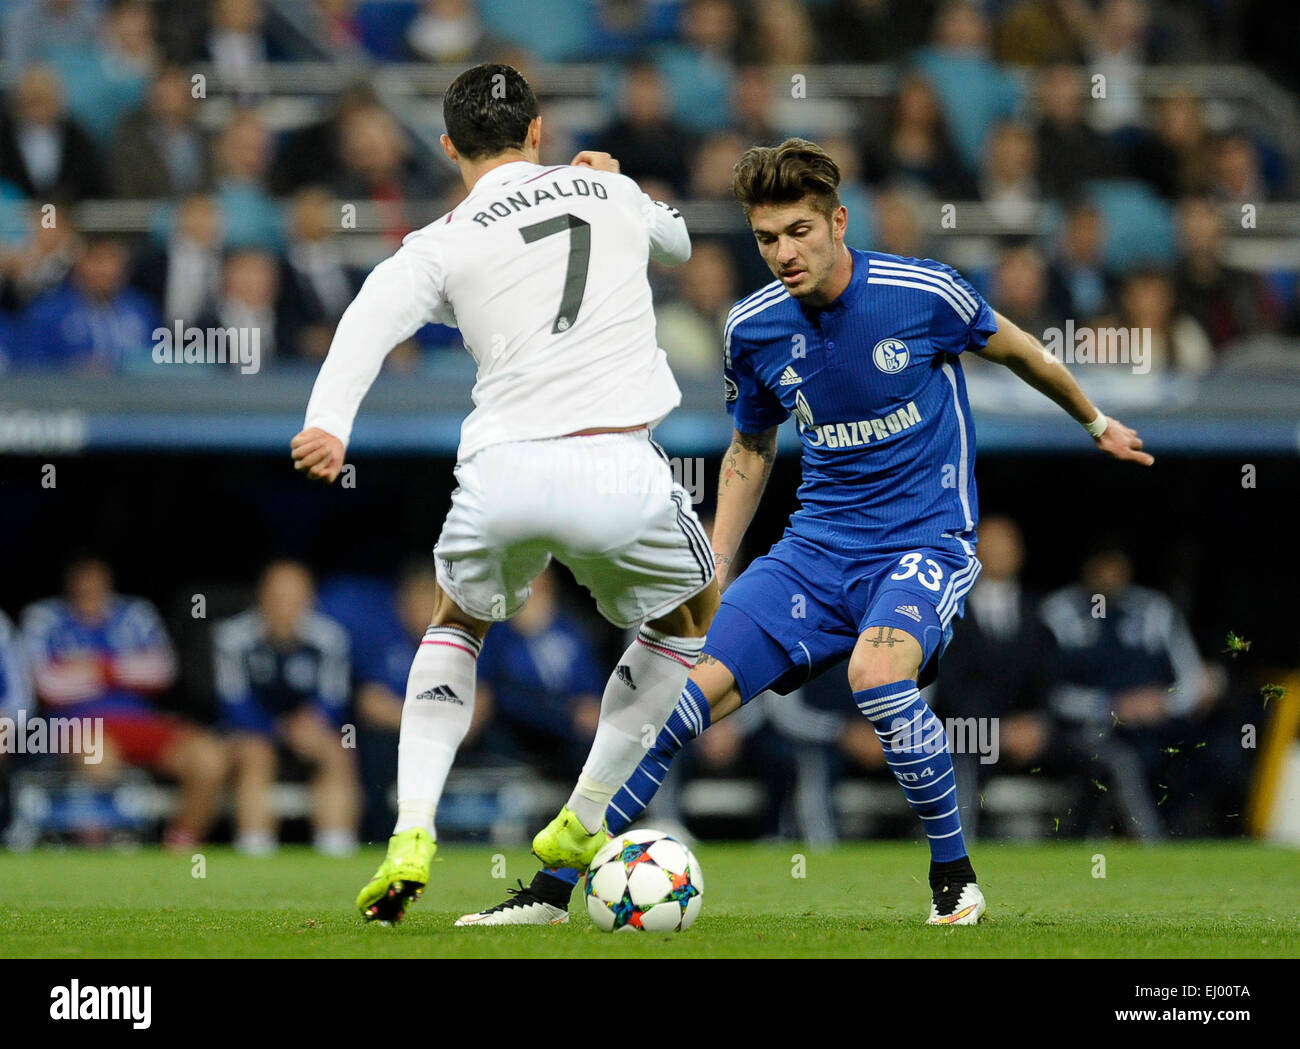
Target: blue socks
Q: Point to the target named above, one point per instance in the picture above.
(916, 750)
(689, 718)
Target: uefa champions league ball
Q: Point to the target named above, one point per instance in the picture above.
(644, 881)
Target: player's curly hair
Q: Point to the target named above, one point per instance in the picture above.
(785, 174)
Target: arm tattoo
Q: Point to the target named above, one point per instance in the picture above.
(882, 635)
(704, 658)
(761, 444)
(730, 469)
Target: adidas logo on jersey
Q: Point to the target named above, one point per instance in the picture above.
(911, 611)
(790, 377)
(441, 693)
(624, 674)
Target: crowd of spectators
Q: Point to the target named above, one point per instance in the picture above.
(1114, 205)
(1098, 687)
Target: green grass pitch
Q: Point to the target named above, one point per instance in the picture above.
(1210, 900)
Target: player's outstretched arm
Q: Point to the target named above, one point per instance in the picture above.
(401, 294)
(1015, 348)
(746, 466)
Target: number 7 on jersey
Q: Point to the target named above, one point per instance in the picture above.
(575, 277)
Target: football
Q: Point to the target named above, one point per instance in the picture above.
(644, 881)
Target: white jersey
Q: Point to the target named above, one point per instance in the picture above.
(543, 269)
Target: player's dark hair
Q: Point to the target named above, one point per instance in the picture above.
(487, 110)
(785, 174)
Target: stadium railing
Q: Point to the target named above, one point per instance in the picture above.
(1251, 404)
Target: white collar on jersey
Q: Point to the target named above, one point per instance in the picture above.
(504, 172)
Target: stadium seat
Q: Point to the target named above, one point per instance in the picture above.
(556, 31)
(382, 27)
(1139, 225)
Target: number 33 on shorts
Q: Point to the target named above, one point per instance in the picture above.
(910, 564)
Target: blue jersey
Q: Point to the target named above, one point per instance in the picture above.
(383, 656)
(536, 677)
(128, 646)
(259, 680)
(875, 383)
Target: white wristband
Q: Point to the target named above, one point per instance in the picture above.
(1098, 426)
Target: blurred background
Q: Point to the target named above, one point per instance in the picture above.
(1091, 166)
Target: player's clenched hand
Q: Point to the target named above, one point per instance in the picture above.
(1123, 443)
(317, 454)
(591, 158)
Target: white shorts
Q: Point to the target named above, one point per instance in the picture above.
(605, 505)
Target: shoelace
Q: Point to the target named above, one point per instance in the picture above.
(517, 898)
(947, 898)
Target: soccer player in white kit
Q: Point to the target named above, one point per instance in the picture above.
(543, 269)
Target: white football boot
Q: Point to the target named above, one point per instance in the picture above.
(524, 907)
(955, 905)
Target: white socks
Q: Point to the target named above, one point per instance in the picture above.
(640, 695)
(256, 843)
(435, 717)
(334, 842)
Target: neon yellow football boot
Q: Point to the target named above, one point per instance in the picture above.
(564, 842)
(401, 878)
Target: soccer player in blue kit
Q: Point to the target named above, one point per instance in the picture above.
(864, 350)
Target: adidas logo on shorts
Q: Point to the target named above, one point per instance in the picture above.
(624, 674)
(790, 377)
(911, 611)
(441, 693)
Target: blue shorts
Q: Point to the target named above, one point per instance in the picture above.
(800, 609)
